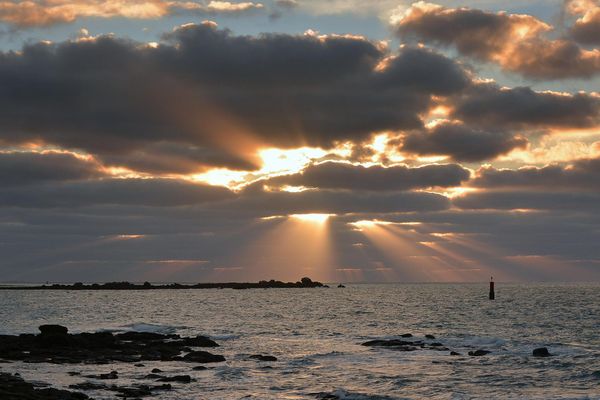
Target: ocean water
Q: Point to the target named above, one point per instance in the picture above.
(316, 335)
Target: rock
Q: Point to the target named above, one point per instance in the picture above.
(341, 286)
(436, 344)
(110, 375)
(203, 357)
(153, 376)
(53, 330)
(88, 386)
(156, 371)
(260, 357)
(406, 335)
(541, 352)
(429, 337)
(454, 353)
(176, 378)
(200, 341)
(13, 387)
(199, 368)
(139, 365)
(478, 353)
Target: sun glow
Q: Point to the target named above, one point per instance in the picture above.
(315, 218)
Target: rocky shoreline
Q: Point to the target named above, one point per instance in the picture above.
(55, 345)
(272, 284)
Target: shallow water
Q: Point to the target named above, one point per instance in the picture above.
(316, 335)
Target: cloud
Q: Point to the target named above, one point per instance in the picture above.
(529, 200)
(491, 106)
(461, 142)
(24, 168)
(139, 192)
(334, 175)
(586, 29)
(34, 13)
(210, 98)
(515, 42)
(581, 175)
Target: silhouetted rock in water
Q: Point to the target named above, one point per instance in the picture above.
(429, 337)
(13, 387)
(454, 353)
(176, 378)
(303, 283)
(260, 357)
(478, 353)
(341, 286)
(89, 386)
(541, 352)
(203, 357)
(405, 345)
(53, 330)
(102, 347)
(406, 335)
(110, 375)
(156, 371)
(199, 368)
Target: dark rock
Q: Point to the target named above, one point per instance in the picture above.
(541, 352)
(156, 371)
(479, 352)
(74, 373)
(260, 357)
(88, 386)
(341, 286)
(454, 353)
(139, 365)
(406, 335)
(387, 343)
(110, 375)
(199, 368)
(53, 330)
(13, 387)
(203, 357)
(200, 341)
(176, 378)
(153, 376)
(429, 337)
(436, 344)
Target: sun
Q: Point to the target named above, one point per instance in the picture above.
(315, 218)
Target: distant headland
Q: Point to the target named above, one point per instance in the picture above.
(302, 283)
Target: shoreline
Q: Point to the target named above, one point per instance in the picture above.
(272, 284)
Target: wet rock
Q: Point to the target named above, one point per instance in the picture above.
(199, 368)
(387, 343)
(454, 353)
(478, 353)
(203, 357)
(139, 365)
(55, 346)
(260, 357)
(541, 352)
(110, 375)
(429, 337)
(156, 371)
(436, 344)
(13, 387)
(153, 376)
(88, 386)
(53, 330)
(406, 335)
(176, 378)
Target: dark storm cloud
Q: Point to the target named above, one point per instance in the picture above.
(206, 88)
(582, 175)
(491, 106)
(515, 42)
(23, 168)
(140, 192)
(462, 143)
(333, 175)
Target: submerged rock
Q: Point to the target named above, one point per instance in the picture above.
(478, 353)
(203, 357)
(260, 357)
(176, 378)
(429, 337)
(541, 352)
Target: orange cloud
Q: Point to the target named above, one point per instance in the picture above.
(23, 14)
(515, 42)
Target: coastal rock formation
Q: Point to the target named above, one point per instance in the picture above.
(260, 357)
(405, 345)
(478, 353)
(55, 345)
(13, 387)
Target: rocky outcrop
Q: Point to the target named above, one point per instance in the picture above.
(13, 387)
(55, 345)
(541, 352)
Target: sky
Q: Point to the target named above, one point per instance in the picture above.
(344, 140)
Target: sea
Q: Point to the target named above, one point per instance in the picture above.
(316, 335)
